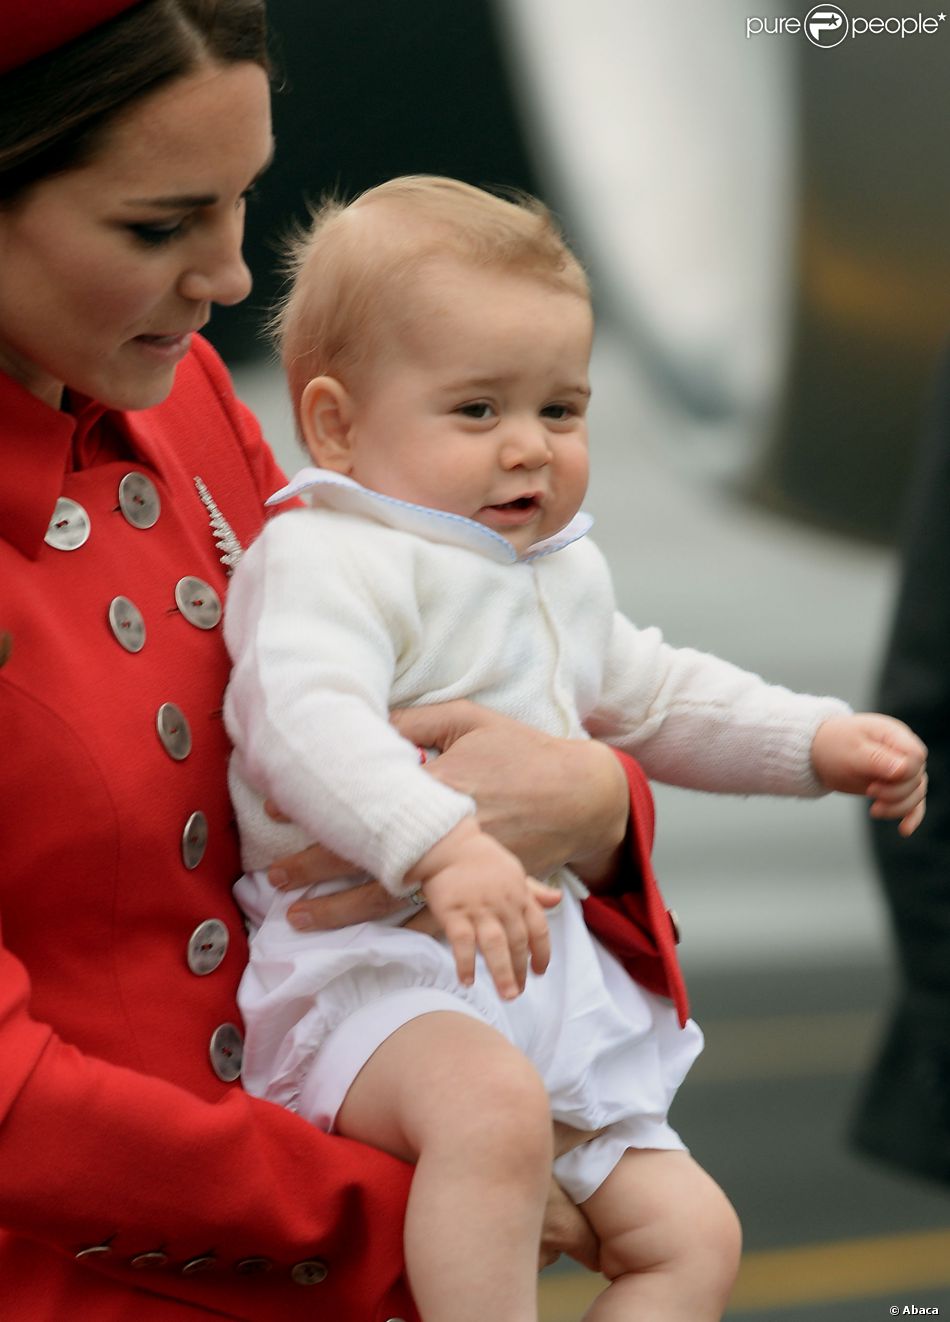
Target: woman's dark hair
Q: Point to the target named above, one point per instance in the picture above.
(55, 111)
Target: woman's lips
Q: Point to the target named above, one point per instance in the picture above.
(166, 346)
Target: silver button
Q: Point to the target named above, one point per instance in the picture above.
(309, 1272)
(198, 602)
(139, 500)
(93, 1252)
(226, 1049)
(194, 840)
(69, 527)
(253, 1266)
(174, 731)
(196, 1266)
(149, 1261)
(127, 624)
(207, 946)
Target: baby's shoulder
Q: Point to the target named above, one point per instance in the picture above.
(321, 531)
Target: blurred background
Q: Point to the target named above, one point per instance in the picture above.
(764, 221)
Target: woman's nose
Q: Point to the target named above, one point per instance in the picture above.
(222, 278)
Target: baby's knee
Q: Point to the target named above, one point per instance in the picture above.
(708, 1253)
(509, 1115)
(697, 1239)
(713, 1247)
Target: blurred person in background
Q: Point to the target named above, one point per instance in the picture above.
(904, 1116)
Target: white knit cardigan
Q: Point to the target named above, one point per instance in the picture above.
(339, 612)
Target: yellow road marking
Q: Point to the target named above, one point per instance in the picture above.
(902, 1266)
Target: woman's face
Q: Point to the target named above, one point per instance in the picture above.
(105, 271)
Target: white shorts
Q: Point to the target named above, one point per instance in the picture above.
(612, 1055)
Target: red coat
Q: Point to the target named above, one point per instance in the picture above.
(133, 1180)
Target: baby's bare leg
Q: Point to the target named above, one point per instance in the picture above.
(670, 1240)
(452, 1095)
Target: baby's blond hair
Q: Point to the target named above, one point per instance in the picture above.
(354, 268)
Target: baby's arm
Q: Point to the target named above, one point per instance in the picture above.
(877, 756)
(482, 899)
(697, 721)
(694, 720)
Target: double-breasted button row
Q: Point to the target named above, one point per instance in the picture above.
(197, 600)
(70, 526)
(311, 1271)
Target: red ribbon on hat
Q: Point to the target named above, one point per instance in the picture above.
(29, 31)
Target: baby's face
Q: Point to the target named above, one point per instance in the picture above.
(481, 408)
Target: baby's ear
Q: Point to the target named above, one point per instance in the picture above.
(325, 412)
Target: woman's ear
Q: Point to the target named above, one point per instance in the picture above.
(325, 414)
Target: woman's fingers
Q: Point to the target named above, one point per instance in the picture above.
(308, 868)
(367, 903)
(567, 1230)
(439, 725)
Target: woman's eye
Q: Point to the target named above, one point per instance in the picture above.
(155, 235)
(479, 410)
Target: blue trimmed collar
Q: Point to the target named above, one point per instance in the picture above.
(334, 491)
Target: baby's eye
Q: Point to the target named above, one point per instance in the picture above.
(557, 412)
(479, 409)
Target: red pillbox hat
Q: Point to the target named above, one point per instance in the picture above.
(28, 31)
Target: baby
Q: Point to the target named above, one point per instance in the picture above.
(437, 341)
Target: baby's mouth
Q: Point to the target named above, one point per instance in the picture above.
(522, 503)
(510, 514)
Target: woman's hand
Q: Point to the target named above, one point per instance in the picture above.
(567, 1230)
(550, 801)
(366, 903)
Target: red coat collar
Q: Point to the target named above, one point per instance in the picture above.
(38, 446)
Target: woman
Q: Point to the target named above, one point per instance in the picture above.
(136, 1178)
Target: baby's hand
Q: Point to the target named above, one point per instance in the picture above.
(483, 900)
(877, 756)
